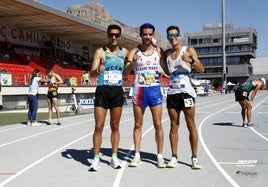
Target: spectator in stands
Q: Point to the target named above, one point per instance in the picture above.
(85, 78)
(33, 96)
(108, 66)
(52, 95)
(7, 49)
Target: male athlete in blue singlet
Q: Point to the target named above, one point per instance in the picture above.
(108, 66)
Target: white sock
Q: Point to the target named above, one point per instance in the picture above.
(137, 155)
(159, 156)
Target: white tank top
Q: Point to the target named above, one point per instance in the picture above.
(179, 72)
(147, 69)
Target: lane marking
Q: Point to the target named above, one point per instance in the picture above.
(40, 160)
(225, 174)
(49, 155)
(41, 133)
(252, 128)
(127, 157)
(9, 129)
(218, 166)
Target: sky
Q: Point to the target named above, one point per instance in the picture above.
(189, 15)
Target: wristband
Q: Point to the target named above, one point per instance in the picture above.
(192, 62)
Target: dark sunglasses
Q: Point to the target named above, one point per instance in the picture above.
(117, 35)
(175, 35)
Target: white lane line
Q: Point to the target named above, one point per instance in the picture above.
(49, 155)
(224, 173)
(252, 128)
(41, 133)
(12, 128)
(40, 160)
(127, 157)
(228, 163)
(209, 153)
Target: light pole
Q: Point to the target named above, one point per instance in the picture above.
(224, 78)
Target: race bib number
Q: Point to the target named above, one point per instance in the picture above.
(245, 94)
(112, 77)
(188, 102)
(177, 81)
(54, 93)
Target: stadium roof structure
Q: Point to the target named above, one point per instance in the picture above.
(37, 17)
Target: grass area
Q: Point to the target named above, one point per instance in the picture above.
(12, 118)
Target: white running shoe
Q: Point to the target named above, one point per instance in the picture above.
(245, 124)
(195, 164)
(161, 162)
(95, 165)
(29, 123)
(135, 162)
(172, 163)
(115, 163)
(35, 124)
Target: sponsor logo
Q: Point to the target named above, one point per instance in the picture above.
(85, 101)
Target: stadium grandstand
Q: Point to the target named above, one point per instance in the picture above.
(34, 35)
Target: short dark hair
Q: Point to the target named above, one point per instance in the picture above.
(172, 27)
(111, 27)
(146, 26)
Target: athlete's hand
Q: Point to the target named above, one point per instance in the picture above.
(101, 67)
(135, 58)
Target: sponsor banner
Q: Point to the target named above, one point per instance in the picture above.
(89, 101)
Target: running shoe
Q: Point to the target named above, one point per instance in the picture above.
(161, 162)
(49, 123)
(245, 124)
(195, 164)
(115, 163)
(135, 162)
(35, 124)
(172, 163)
(252, 125)
(29, 123)
(58, 123)
(95, 165)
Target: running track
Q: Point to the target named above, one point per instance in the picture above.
(60, 155)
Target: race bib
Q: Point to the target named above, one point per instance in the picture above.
(245, 94)
(177, 81)
(189, 102)
(147, 78)
(54, 93)
(112, 77)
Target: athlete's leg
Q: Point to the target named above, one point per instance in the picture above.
(137, 131)
(114, 122)
(159, 133)
(99, 114)
(173, 133)
(189, 113)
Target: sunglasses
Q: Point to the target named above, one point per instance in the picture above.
(117, 35)
(175, 35)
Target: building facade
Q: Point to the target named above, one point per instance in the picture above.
(240, 47)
